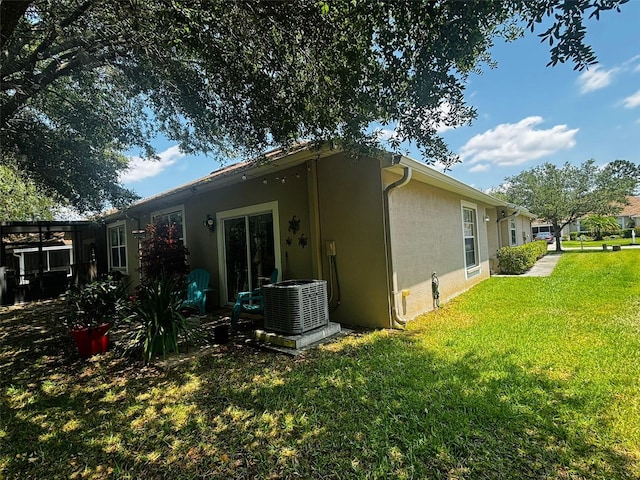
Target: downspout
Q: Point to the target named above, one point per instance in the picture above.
(396, 320)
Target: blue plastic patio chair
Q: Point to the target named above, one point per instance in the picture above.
(250, 302)
(197, 289)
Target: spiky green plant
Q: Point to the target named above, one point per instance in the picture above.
(158, 323)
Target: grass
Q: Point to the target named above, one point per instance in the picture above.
(517, 378)
(598, 243)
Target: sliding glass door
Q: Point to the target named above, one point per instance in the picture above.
(249, 248)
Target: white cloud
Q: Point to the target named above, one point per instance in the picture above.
(595, 79)
(445, 111)
(515, 144)
(480, 167)
(385, 134)
(140, 169)
(632, 101)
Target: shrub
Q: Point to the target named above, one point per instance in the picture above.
(517, 260)
(157, 321)
(162, 254)
(98, 302)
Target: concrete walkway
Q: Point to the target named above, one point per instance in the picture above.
(543, 267)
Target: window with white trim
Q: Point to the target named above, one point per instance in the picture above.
(118, 247)
(173, 216)
(470, 235)
(512, 232)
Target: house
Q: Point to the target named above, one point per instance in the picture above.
(539, 226)
(629, 217)
(375, 228)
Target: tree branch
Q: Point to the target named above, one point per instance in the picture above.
(10, 14)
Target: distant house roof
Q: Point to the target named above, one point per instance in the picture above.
(631, 210)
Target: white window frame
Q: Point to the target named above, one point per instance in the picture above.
(513, 239)
(471, 270)
(46, 267)
(268, 207)
(169, 210)
(110, 227)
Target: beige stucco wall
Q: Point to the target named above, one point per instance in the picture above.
(340, 199)
(427, 236)
(291, 198)
(523, 229)
(350, 200)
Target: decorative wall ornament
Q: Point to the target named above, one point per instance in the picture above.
(294, 224)
(303, 240)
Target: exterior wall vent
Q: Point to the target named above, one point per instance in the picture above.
(295, 306)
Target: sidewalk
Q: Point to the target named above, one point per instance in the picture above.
(543, 267)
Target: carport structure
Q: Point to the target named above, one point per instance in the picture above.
(40, 259)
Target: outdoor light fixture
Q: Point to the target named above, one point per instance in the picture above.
(210, 223)
(264, 180)
(244, 176)
(486, 218)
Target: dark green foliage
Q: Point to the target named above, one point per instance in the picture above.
(600, 225)
(157, 325)
(20, 199)
(163, 254)
(98, 302)
(517, 260)
(83, 81)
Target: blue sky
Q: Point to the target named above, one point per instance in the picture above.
(528, 114)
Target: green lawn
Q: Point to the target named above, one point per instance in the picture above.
(518, 378)
(598, 243)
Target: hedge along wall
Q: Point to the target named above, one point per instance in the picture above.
(517, 260)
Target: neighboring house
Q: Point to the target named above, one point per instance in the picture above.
(629, 217)
(539, 226)
(375, 228)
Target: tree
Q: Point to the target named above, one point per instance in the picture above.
(84, 80)
(561, 196)
(598, 225)
(20, 199)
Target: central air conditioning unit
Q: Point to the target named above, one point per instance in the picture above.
(295, 306)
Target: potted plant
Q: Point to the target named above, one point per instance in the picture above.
(156, 319)
(92, 309)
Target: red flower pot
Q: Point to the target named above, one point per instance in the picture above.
(91, 341)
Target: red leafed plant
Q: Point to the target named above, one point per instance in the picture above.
(162, 253)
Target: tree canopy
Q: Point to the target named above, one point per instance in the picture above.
(83, 81)
(20, 199)
(562, 195)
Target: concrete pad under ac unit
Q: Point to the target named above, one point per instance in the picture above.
(299, 341)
